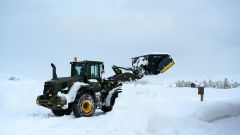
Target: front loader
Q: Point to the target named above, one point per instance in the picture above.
(85, 90)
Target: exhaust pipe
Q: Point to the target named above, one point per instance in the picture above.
(54, 74)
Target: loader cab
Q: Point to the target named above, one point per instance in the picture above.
(87, 69)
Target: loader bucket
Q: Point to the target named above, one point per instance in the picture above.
(153, 64)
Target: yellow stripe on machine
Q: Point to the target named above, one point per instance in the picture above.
(167, 67)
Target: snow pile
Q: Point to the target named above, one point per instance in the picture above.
(18, 98)
(221, 110)
(146, 107)
(70, 97)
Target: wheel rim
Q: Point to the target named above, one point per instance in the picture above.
(86, 106)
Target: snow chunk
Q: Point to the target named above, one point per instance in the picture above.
(140, 61)
(92, 80)
(109, 96)
(72, 92)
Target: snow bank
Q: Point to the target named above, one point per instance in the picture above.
(146, 107)
(18, 98)
(219, 111)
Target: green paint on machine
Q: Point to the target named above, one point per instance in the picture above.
(64, 95)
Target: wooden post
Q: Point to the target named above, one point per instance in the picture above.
(201, 97)
(201, 92)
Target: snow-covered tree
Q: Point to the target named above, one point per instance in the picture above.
(210, 83)
(226, 84)
(219, 84)
(180, 83)
(235, 85)
(205, 83)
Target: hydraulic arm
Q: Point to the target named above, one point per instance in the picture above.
(151, 64)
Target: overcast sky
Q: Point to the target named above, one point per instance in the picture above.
(201, 35)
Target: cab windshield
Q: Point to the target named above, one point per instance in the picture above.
(79, 69)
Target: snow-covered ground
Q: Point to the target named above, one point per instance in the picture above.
(148, 106)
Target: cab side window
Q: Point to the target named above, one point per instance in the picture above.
(95, 71)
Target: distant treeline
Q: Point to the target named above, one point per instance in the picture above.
(223, 84)
(13, 78)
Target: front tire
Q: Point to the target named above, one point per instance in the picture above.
(84, 105)
(69, 110)
(112, 102)
(58, 113)
(63, 112)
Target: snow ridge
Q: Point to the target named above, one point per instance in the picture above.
(146, 107)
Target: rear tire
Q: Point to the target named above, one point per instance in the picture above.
(84, 105)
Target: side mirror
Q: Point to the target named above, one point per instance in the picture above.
(102, 69)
